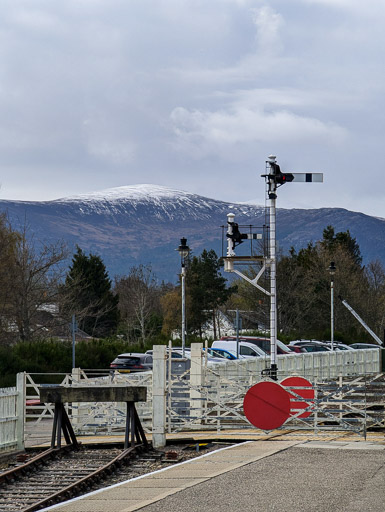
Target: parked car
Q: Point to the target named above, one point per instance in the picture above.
(245, 348)
(336, 345)
(298, 343)
(361, 346)
(221, 352)
(262, 343)
(210, 359)
(132, 362)
(310, 347)
(177, 353)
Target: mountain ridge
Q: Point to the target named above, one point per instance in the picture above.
(142, 224)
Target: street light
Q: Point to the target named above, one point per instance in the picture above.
(183, 250)
(332, 271)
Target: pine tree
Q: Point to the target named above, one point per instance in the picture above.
(303, 282)
(344, 240)
(88, 295)
(206, 289)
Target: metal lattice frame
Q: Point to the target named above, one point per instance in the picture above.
(349, 404)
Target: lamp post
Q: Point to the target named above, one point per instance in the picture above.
(332, 271)
(74, 327)
(183, 250)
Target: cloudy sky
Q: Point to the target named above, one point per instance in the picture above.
(193, 94)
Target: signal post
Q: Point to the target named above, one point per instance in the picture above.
(274, 178)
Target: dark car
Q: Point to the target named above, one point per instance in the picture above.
(176, 352)
(311, 347)
(296, 345)
(363, 346)
(132, 362)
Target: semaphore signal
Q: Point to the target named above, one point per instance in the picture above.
(274, 179)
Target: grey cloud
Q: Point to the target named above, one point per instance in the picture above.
(97, 94)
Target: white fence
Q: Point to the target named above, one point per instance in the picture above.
(317, 365)
(190, 394)
(12, 417)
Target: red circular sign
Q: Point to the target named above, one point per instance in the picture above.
(267, 405)
(307, 392)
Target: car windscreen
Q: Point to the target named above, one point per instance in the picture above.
(262, 344)
(247, 351)
(265, 345)
(219, 353)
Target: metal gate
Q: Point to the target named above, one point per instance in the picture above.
(352, 403)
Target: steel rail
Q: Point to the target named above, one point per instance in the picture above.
(74, 489)
(18, 471)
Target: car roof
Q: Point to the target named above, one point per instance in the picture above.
(315, 342)
(241, 337)
(322, 347)
(187, 349)
(127, 354)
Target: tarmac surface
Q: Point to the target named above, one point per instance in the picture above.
(277, 472)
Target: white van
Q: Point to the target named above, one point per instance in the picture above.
(262, 343)
(246, 349)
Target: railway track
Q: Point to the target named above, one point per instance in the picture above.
(60, 474)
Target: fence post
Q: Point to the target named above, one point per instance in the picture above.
(382, 359)
(159, 397)
(76, 413)
(196, 381)
(316, 408)
(75, 376)
(20, 409)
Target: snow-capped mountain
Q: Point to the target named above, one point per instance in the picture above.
(144, 223)
(165, 203)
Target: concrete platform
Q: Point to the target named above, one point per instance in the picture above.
(276, 474)
(138, 492)
(277, 471)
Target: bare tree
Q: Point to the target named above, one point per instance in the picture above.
(375, 296)
(8, 248)
(138, 301)
(171, 310)
(35, 272)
